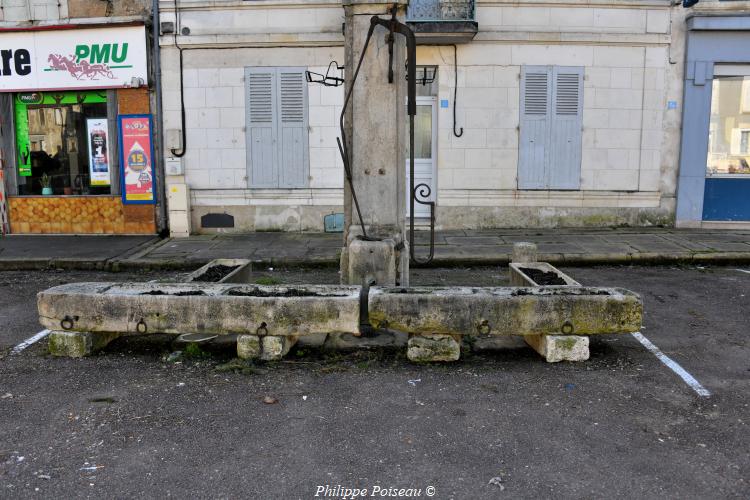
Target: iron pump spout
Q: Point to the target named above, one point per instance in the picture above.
(393, 25)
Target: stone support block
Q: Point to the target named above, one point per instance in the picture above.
(428, 347)
(556, 348)
(372, 260)
(273, 347)
(248, 346)
(78, 344)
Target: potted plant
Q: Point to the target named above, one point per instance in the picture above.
(46, 182)
(67, 190)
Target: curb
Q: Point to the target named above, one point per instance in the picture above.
(138, 262)
(71, 264)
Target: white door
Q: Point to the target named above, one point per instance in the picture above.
(425, 154)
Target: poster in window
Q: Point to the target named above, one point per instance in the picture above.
(96, 131)
(137, 153)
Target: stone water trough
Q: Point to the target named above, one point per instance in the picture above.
(268, 320)
(223, 271)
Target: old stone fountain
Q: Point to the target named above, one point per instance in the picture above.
(375, 299)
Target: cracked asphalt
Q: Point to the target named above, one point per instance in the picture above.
(133, 422)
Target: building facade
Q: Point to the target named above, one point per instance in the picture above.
(531, 114)
(75, 108)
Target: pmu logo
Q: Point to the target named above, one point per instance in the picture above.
(102, 53)
(91, 62)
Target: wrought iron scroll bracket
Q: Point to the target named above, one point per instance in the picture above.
(419, 193)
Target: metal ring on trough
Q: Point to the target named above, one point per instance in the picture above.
(484, 327)
(141, 326)
(66, 323)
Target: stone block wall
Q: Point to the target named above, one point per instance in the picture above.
(49, 11)
(215, 163)
(624, 98)
(631, 58)
(15, 11)
(216, 155)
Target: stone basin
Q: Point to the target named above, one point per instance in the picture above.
(211, 308)
(227, 271)
(506, 310)
(268, 320)
(523, 274)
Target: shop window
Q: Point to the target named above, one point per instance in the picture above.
(64, 144)
(729, 130)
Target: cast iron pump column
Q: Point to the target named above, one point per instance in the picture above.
(374, 133)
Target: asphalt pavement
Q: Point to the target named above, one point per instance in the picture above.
(130, 422)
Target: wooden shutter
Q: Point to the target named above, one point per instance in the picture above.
(262, 127)
(534, 124)
(551, 121)
(293, 136)
(566, 125)
(277, 136)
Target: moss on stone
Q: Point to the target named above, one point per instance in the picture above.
(565, 343)
(73, 345)
(194, 351)
(432, 348)
(268, 280)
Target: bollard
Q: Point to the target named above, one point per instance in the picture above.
(524, 251)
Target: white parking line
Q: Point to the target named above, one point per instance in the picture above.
(743, 271)
(30, 341)
(672, 365)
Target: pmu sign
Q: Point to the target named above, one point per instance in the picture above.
(72, 58)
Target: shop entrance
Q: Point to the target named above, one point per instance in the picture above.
(63, 144)
(727, 190)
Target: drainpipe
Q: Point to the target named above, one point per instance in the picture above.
(163, 223)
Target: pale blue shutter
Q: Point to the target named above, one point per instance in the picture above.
(293, 136)
(534, 127)
(262, 127)
(566, 125)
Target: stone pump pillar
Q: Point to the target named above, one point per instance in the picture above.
(376, 128)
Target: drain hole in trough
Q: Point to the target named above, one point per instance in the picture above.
(216, 273)
(286, 292)
(176, 294)
(541, 277)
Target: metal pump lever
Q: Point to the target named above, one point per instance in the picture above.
(393, 26)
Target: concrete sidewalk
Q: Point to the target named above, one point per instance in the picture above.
(453, 248)
(24, 252)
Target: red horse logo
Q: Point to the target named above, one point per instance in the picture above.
(79, 70)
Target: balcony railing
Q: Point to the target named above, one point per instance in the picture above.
(440, 10)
